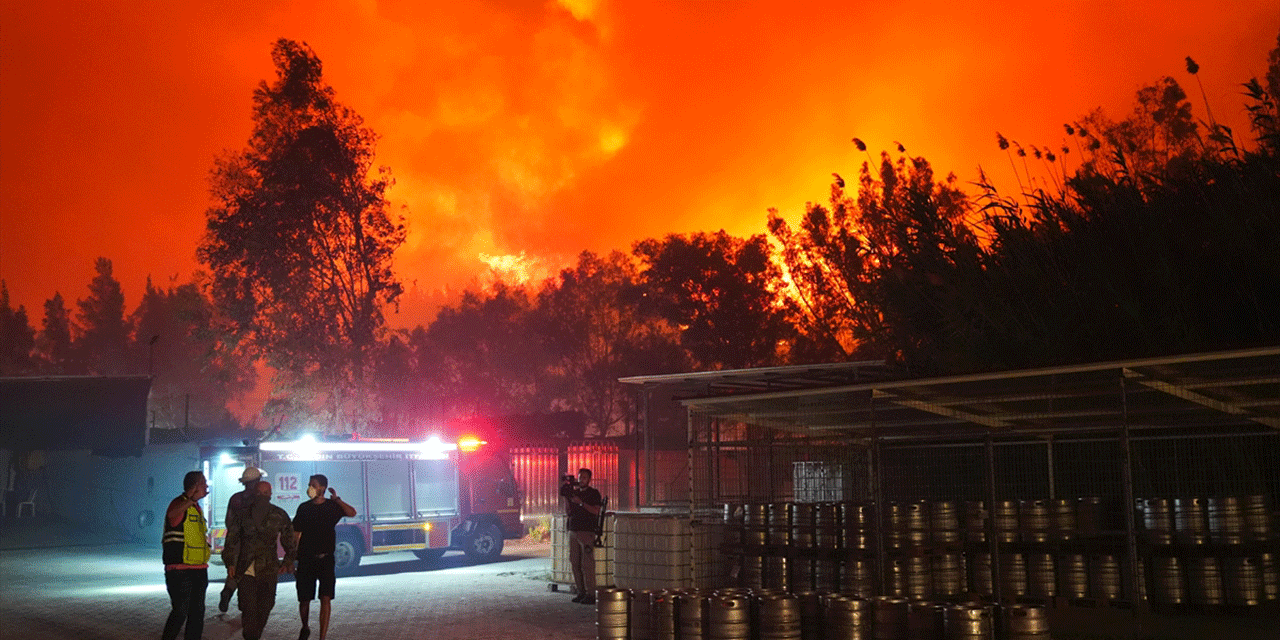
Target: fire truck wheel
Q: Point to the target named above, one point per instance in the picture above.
(346, 555)
(486, 544)
(429, 554)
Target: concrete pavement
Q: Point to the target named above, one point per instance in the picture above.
(86, 590)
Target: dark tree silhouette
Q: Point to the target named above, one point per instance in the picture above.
(721, 293)
(300, 241)
(53, 344)
(594, 331)
(102, 341)
(883, 276)
(195, 371)
(481, 357)
(17, 338)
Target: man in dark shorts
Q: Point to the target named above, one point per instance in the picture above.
(314, 523)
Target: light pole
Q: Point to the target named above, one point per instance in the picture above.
(151, 356)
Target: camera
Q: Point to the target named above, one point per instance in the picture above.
(568, 486)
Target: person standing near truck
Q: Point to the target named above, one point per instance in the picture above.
(315, 524)
(251, 559)
(583, 507)
(235, 505)
(185, 550)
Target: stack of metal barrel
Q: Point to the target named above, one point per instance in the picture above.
(772, 614)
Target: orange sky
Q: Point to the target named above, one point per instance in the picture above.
(546, 128)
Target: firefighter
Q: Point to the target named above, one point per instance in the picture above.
(238, 502)
(583, 506)
(185, 550)
(251, 559)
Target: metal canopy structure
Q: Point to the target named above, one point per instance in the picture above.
(1224, 390)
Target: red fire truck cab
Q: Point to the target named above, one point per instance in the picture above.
(426, 497)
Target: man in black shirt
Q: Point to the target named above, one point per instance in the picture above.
(315, 522)
(583, 506)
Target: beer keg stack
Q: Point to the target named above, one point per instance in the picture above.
(776, 614)
(1209, 552)
(1195, 552)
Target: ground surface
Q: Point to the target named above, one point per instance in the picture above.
(85, 590)
(57, 583)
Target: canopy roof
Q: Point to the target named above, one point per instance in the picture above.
(1225, 390)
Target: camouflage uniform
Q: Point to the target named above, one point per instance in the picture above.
(251, 548)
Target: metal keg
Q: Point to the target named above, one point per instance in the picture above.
(802, 525)
(1242, 581)
(857, 577)
(917, 523)
(888, 618)
(1157, 519)
(1191, 520)
(856, 524)
(1042, 579)
(777, 617)
(642, 614)
(1033, 517)
(919, 577)
(1063, 515)
(1013, 574)
(1257, 517)
(1073, 576)
(1165, 573)
(895, 577)
(949, 575)
(810, 614)
(729, 617)
(662, 612)
(826, 525)
(1025, 622)
(895, 525)
(1226, 520)
(980, 576)
(847, 618)
(925, 621)
(1104, 577)
(691, 612)
(613, 613)
(944, 519)
(975, 521)
(968, 622)
(1204, 582)
(780, 514)
(1270, 577)
(909, 577)
(1089, 517)
(776, 574)
(1005, 514)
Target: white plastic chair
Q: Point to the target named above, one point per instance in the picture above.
(30, 502)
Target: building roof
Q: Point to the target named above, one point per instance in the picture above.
(1223, 390)
(103, 413)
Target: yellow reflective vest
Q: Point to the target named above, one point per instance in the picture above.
(187, 543)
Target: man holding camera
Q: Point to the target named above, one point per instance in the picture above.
(583, 508)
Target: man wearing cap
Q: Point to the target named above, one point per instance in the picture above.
(236, 506)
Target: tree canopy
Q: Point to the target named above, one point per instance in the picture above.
(300, 242)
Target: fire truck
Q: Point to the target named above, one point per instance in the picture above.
(427, 497)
